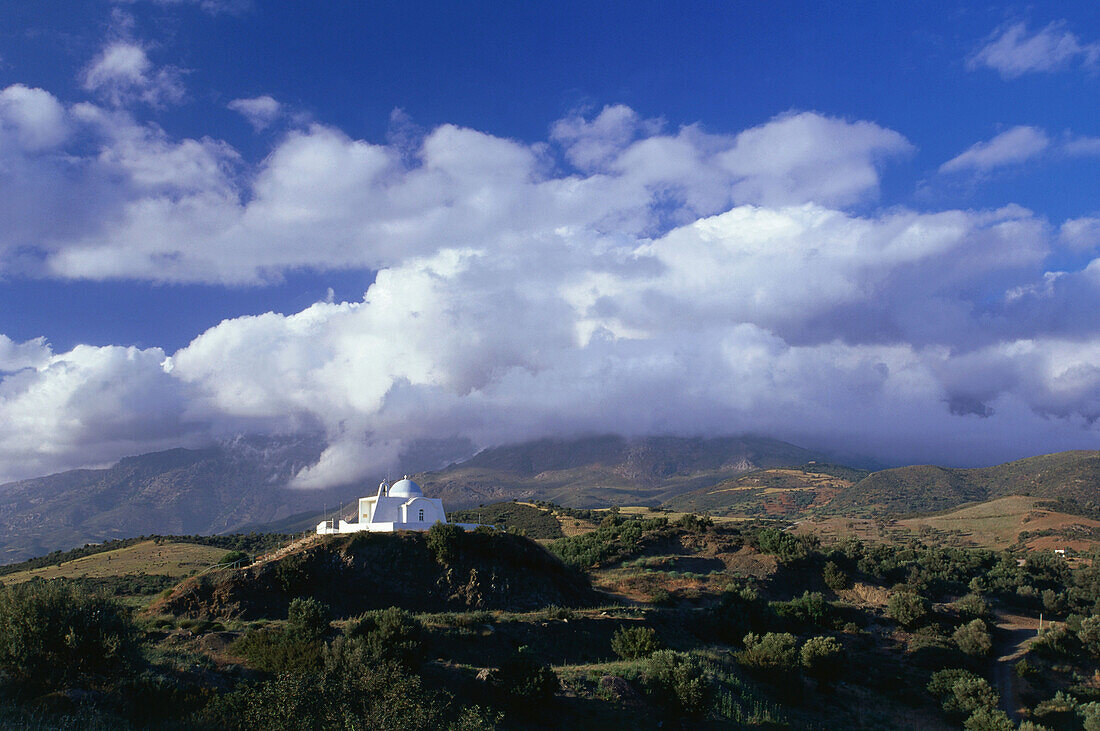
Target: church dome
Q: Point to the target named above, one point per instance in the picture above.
(406, 488)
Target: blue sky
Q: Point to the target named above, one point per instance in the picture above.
(865, 228)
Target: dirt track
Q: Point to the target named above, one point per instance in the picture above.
(1011, 637)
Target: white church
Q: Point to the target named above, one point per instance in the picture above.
(401, 506)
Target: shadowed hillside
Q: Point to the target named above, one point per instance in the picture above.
(435, 571)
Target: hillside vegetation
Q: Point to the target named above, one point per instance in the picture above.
(1072, 477)
(443, 569)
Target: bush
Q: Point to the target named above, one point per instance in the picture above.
(775, 652)
(810, 608)
(233, 557)
(973, 638)
(973, 606)
(308, 618)
(525, 683)
(907, 609)
(962, 692)
(1089, 635)
(443, 541)
(279, 651)
(835, 578)
(52, 635)
(678, 684)
(630, 643)
(989, 719)
(390, 634)
(822, 657)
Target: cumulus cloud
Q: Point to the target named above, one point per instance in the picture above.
(1013, 52)
(122, 74)
(620, 277)
(260, 111)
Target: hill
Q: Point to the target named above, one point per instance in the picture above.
(178, 491)
(434, 571)
(771, 492)
(605, 470)
(1029, 522)
(1071, 477)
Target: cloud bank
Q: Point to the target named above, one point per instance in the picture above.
(1013, 52)
(620, 276)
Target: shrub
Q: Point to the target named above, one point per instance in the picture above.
(279, 651)
(973, 638)
(989, 719)
(972, 605)
(835, 577)
(1089, 634)
(443, 541)
(52, 635)
(308, 618)
(907, 609)
(233, 557)
(962, 692)
(774, 652)
(810, 608)
(390, 634)
(678, 684)
(525, 683)
(630, 643)
(1053, 642)
(822, 657)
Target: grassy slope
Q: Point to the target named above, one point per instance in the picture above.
(1070, 476)
(169, 559)
(998, 523)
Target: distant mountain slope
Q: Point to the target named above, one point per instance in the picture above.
(785, 491)
(605, 470)
(209, 490)
(1069, 476)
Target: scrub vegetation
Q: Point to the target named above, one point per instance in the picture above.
(645, 621)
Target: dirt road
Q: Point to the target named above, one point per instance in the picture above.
(1011, 637)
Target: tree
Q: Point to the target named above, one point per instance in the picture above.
(678, 683)
(835, 577)
(907, 609)
(1089, 634)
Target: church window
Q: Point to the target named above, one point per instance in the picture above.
(421, 518)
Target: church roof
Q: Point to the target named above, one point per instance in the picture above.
(406, 488)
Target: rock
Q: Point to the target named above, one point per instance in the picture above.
(485, 675)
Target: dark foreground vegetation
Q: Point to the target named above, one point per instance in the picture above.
(700, 625)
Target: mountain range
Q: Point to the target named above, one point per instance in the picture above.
(242, 484)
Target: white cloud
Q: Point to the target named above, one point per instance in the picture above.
(1011, 147)
(260, 111)
(1082, 146)
(1081, 233)
(672, 281)
(122, 73)
(33, 118)
(214, 7)
(1012, 52)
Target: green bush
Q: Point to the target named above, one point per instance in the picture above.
(822, 657)
(775, 652)
(810, 608)
(630, 643)
(973, 638)
(961, 692)
(1089, 635)
(233, 557)
(308, 618)
(443, 541)
(678, 684)
(989, 719)
(907, 609)
(390, 634)
(279, 651)
(525, 684)
(52, 635)
(973, 606)
(835, 578)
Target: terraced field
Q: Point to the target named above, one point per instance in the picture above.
(778, 492)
